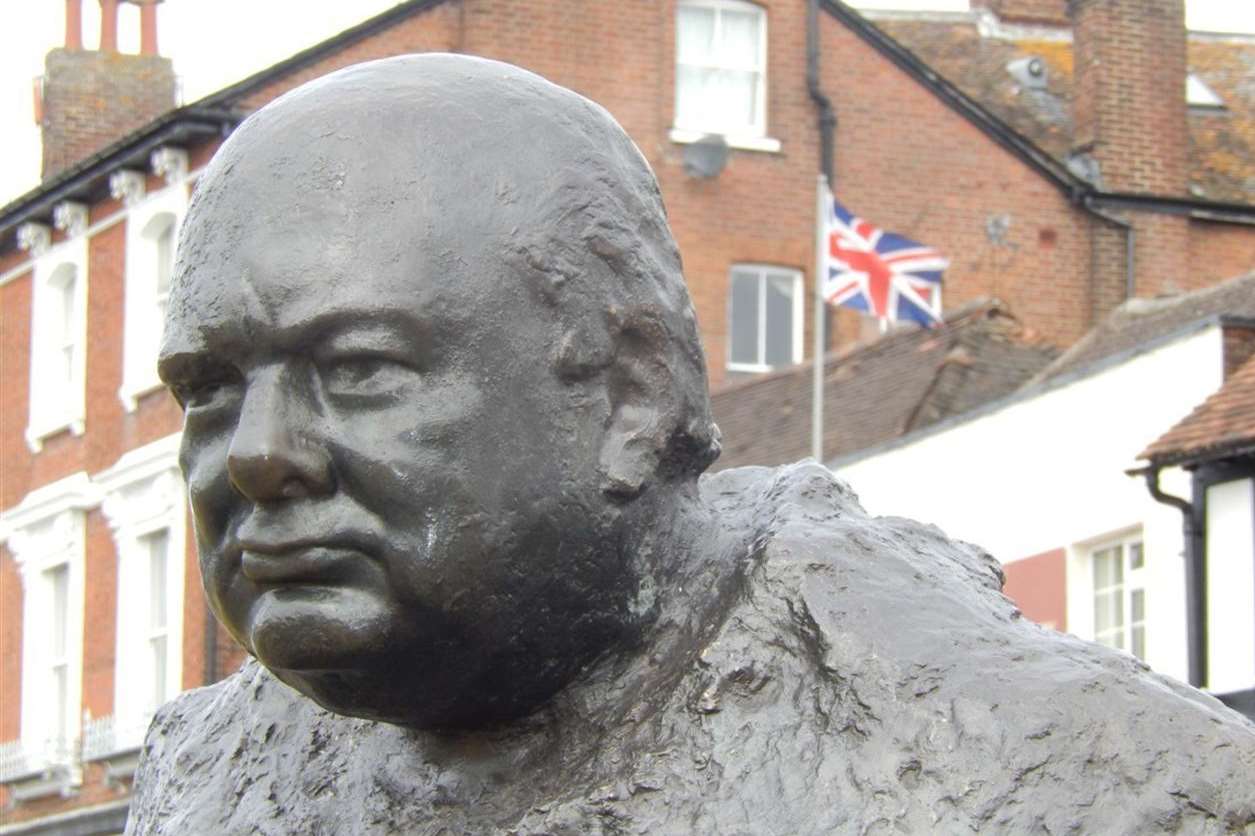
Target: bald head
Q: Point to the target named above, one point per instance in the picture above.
(458, 157)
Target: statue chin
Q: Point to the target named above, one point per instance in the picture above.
(318, 630)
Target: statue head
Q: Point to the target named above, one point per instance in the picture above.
(435, 353)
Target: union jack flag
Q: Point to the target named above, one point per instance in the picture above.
(883, 274)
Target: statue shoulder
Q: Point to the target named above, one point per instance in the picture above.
(928, 682)
(183, 731)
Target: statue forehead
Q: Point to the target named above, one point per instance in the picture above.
(434, 118)
(395, 150)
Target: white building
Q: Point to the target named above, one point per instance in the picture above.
(1048, 480)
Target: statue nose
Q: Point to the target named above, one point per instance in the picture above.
(273, 456)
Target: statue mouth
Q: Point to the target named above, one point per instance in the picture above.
(304, 563)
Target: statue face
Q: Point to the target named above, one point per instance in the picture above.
(396, 500)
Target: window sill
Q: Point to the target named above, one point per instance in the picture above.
(131, 393)
(28, 775)
(766, 144)
(36, 433)
(755, 368)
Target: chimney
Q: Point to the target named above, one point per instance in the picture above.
(1131, 134)
(1043, 12)
(91, 99)
(1129, 101)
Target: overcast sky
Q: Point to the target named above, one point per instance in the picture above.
(216, 42)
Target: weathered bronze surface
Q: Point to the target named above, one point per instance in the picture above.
(445, 417)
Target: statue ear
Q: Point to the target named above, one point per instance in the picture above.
(642, 409)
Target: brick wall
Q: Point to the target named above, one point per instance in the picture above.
(1239, 346)
(91, 99)
(1219, 251)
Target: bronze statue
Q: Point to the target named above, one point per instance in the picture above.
(446, 412)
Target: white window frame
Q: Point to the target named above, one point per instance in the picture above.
(52, 412)
(1082, 592)
(144, 319)
(48, 530)
(143, 494)
(762, 271)
(687, 129)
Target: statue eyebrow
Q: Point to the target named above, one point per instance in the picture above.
(181, 366)
(364, 321)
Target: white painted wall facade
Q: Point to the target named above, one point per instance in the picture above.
(1048, 471)
(1231, 586)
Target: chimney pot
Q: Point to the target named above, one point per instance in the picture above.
(73, 24)
(108, 25)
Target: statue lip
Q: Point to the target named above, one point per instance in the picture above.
(301, 562)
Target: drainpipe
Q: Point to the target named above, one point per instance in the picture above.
(827, 130)
(1195, 576)
(827, 116)
(1130, 240)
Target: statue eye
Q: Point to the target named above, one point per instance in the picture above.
(205, 393)
(364, 376)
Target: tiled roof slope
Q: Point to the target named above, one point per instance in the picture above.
(878, 391)
(1222, 154)
(1222, 425)
(1140, 322)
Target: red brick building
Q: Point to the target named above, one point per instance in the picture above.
(1059, 194)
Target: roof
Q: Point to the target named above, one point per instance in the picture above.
(1141, 323)
(973, 55)
(878, 391)
(1221, 427)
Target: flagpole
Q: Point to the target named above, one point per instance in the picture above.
(817, 395)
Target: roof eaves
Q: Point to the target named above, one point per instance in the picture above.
(1196, 455)
(231, 95)
(1033, 389)
(85, 177)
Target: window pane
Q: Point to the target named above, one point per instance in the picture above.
(732, 104)
(1107, 569)
(65, 301)
(1106, 616)
(779, 320)
(157, 645)
(695, 34)
(165, 258)
(157, 544)
(739, 40)
(1138, 605)
(743, 318)
(1138, 645)
(59, 588)
(691, 96)
(1135, 556)
(60, 702)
